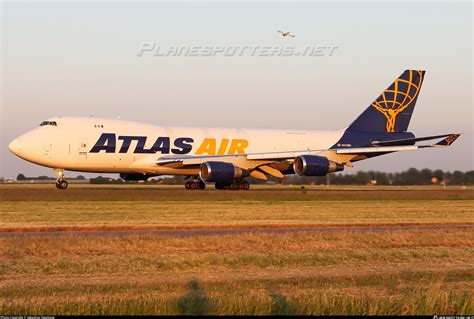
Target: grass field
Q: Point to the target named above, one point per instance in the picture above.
(393, 272)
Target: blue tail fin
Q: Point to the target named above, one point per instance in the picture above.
(392, 110)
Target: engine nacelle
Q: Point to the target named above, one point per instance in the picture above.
(134, 176)
(312, 165)
(219, 172)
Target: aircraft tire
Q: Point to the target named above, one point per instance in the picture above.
(202, 185)
(62, 184)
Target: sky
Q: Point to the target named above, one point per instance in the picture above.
(81, 59)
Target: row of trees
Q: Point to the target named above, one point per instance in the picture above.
(411, 176)
(22, 177)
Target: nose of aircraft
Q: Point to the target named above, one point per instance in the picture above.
(15, 146)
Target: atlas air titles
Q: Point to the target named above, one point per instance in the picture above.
(108, 143)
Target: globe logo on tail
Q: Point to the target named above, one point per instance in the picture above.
(398, 97)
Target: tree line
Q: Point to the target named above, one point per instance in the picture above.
(22, 177)
(411, 176)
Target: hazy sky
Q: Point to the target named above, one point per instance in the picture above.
(81, 59)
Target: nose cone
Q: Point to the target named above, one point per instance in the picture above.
(15, 146)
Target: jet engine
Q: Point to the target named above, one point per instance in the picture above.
(219, 172)
(312, 165)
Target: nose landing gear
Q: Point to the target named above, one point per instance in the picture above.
(61, 182)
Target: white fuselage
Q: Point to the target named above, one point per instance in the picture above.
(132, 147)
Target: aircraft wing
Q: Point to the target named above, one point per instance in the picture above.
(281, 160)
(195, 160)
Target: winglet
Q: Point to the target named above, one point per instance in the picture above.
(448, 140)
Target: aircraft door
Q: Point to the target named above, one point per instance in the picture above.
(83, 148)
(46, 149)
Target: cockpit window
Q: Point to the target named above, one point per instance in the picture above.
(52, 123)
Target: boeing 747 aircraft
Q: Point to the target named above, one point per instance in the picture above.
(226, 157)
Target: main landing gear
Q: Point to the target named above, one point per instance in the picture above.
(236, 185)
(196, 184)
(61, 182)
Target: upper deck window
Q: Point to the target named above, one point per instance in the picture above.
(52, 123)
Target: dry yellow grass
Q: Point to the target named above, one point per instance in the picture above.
(217, 213)
(239, 274)
(401, 272)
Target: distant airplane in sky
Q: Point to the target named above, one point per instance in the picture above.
(226, 157)
(286, 34)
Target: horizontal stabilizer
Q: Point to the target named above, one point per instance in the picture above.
(407, 141)
(448, 140)
(398, 148)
